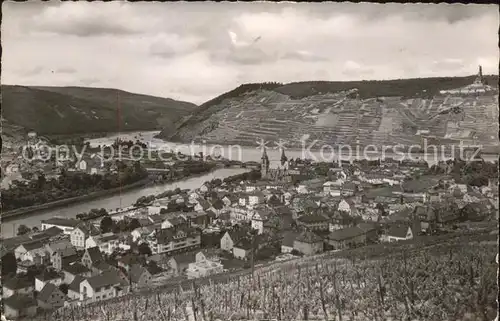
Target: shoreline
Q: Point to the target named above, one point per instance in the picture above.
(18, 213)
(15, 214)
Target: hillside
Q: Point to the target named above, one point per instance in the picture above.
(74, 110)
(371, 112)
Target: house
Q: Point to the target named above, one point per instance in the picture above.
(230, 238)
(348, 237)
(139, 275)
(398, 233)
(64, 256)
(333, 188)
(344, 206)
(33, 252)
(207, 255)
(313, 222)
(74, 288)
(71, 271)
(308, 243)
(50, 297)
(19, 284)
(48, 276)
(103, 286)
(108, 242)
(179, 263)
(203, 269)
(127, 261)
(175, 221)
(91, 257)
(201, 219)
(259, 219)
(287, 241)
(53, 247)
(243, 249)
(18, 306)
(202, 205)
(145, 232)
(80, 234)
(175, 240)
(65, 224)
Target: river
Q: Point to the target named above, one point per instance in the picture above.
(127, 198)
(249, 153)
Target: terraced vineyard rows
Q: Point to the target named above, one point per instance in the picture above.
(342, 119)
(392, 282)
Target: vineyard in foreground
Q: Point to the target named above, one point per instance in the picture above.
(449, 278)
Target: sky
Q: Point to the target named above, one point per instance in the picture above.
(196, 51)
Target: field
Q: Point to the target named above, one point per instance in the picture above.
(448, 277)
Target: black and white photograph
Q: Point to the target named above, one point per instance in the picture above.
(259, 161)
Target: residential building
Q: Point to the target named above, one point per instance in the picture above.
(347, 237)
(104, 286)
(313, 222)
(50, 297)
(308, 243)
(288, 240)
(71, 271)
(398, 233)
(230, 238)
(145, 232)
(33, 252)
(64, 256)
(48, 276)
(203, 268)
(74, 288)
(19, 284)
(243, 249)
(175, 240)
(91, 257)
(179, 263)
(65, 224)
(139, 276)
(18, 306)
(80, 234)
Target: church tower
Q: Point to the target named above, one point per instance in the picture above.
(284, 159)
(479, 78)
(264, 167)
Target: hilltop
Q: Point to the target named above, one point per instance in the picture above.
(372, 112)
(75, 110)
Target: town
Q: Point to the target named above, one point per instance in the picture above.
(284, 210)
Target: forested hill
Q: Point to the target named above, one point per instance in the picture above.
(74, 110)
(408, 88)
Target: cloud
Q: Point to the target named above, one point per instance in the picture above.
(65, 70)
(33, 71)
(170, 45)
(85, 19)
(196, 51)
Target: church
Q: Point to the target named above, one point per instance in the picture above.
(278, 172)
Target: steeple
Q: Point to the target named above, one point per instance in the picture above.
(284, 159)
(264, 167)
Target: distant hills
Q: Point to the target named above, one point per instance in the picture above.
(372, 112)
(75, 110)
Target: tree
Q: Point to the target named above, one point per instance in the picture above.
(64, 288)
(23, 229)
(9, 264)
(106, 224)
(144, 249)
(134, 223)
(35, 229)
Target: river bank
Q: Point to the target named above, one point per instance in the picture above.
(112, 202)
(17, 213)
